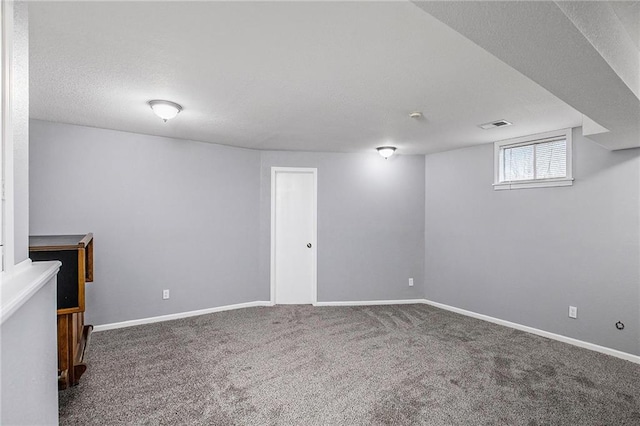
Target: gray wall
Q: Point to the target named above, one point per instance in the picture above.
(370, 224)
(195, 218)
(165, 213)
(526, 255)
(21, 131)
(29, 362)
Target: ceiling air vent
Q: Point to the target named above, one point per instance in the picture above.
(494, 124)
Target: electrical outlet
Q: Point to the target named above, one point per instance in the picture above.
(573, 312)
(410, 282)
(165, 294)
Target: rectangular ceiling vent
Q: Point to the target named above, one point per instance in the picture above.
(494, 124)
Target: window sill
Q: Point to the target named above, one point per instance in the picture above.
(532, 184)
(26, 279)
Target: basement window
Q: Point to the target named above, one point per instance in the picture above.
(535, 161)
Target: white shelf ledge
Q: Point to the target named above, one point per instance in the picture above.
(26, 279)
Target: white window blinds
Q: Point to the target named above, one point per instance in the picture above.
(544, 160)
(535, 161)
(551, 159)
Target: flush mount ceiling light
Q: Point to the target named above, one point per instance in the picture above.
(386, 151)
(416, 114)
(165, 109)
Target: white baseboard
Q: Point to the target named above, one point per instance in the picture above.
(371, 302)
(179, 315)
(547, 334)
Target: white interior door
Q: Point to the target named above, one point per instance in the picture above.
(293, 235)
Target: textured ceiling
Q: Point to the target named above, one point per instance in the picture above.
(584, 55)
(628, 12)
(336, 76)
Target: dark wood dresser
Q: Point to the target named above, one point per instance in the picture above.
(76, 254)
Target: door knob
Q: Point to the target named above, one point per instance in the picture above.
(308, 245)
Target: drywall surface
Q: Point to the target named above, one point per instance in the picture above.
(165, 214)
(20, 124)
(567, 58)
(370, 224)
(29, 362)
(526, 255)
(600, 24)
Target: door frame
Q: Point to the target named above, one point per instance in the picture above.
(314, 238)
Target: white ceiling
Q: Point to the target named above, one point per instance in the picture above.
(337, 76)
(578, 50)
(628, 12)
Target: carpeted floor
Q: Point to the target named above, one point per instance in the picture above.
(374, 365)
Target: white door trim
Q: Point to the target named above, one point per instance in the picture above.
(314, 242)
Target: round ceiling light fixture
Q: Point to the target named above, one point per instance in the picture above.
(165, 109)
(386, 151)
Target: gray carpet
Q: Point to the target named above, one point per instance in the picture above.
(375, 365)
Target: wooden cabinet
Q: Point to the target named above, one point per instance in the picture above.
(76, 254)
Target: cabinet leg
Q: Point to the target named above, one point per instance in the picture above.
(70, 345)
(78, 371)
(73, 337)
(63, 380)
(79, 366)
(64, 351)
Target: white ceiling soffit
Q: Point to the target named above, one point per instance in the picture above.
(601, 26)
(313, 76)
(582, 52)
(628, 12)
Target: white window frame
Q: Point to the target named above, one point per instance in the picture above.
(532, 140)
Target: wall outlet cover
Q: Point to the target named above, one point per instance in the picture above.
(573, 312)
